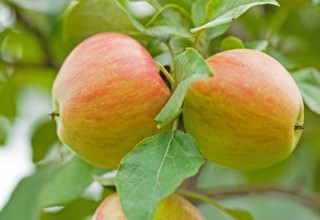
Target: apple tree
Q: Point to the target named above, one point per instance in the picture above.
(160, 109)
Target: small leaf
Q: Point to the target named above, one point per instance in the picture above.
(87, 17)
(188, 63)
(223, 12)
(199, 15)
(170, 20)
(154, 170)
(308, 80)
(69, 183)
(231, 42)
(171, 110)
(190, 66)
(257, 45)
(43, 138)
(238, 214)
(79, 209)
(24, 202)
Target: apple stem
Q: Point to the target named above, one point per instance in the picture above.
(54, 114)
(205, 199)
(299, 127)
(166, 73)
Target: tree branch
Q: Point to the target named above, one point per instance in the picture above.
(308, 198)
(49, 60)
(27, 65)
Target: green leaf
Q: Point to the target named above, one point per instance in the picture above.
(43, 138)
(78, 209)
(172, 109)
(88, 17)
(231, 42)
(288, 64)
(24, 202)
(257, 45)
(134, 21)
(154, 170)
(188, 63)
(238, 214)
(170, 20)
(8, 95)
(217, 31)
(223, 12)
(69, 183)
(4, 131)
(186, 4)
(198, 12)
(308, 80)
(190, 66)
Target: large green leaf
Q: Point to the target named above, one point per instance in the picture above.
(87, 17)
(222, 12)
(154, 170)
(308, 80)
(43, 138)
(24, 201)
(69, 183)
(190, 66)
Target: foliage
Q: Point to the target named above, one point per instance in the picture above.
(37, 36)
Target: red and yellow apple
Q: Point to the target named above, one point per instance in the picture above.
(173, 207)
(106, 96)
(246, 116)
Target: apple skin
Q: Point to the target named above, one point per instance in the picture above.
(244, 116)
(173, 207)
(107, 94)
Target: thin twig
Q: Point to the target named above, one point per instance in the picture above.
(49, 60)
(307, 198)
(26, 64)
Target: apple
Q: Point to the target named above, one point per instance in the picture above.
(173, 207)
(249, 115)
(106, 96)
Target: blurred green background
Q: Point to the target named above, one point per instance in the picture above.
(37, 171)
